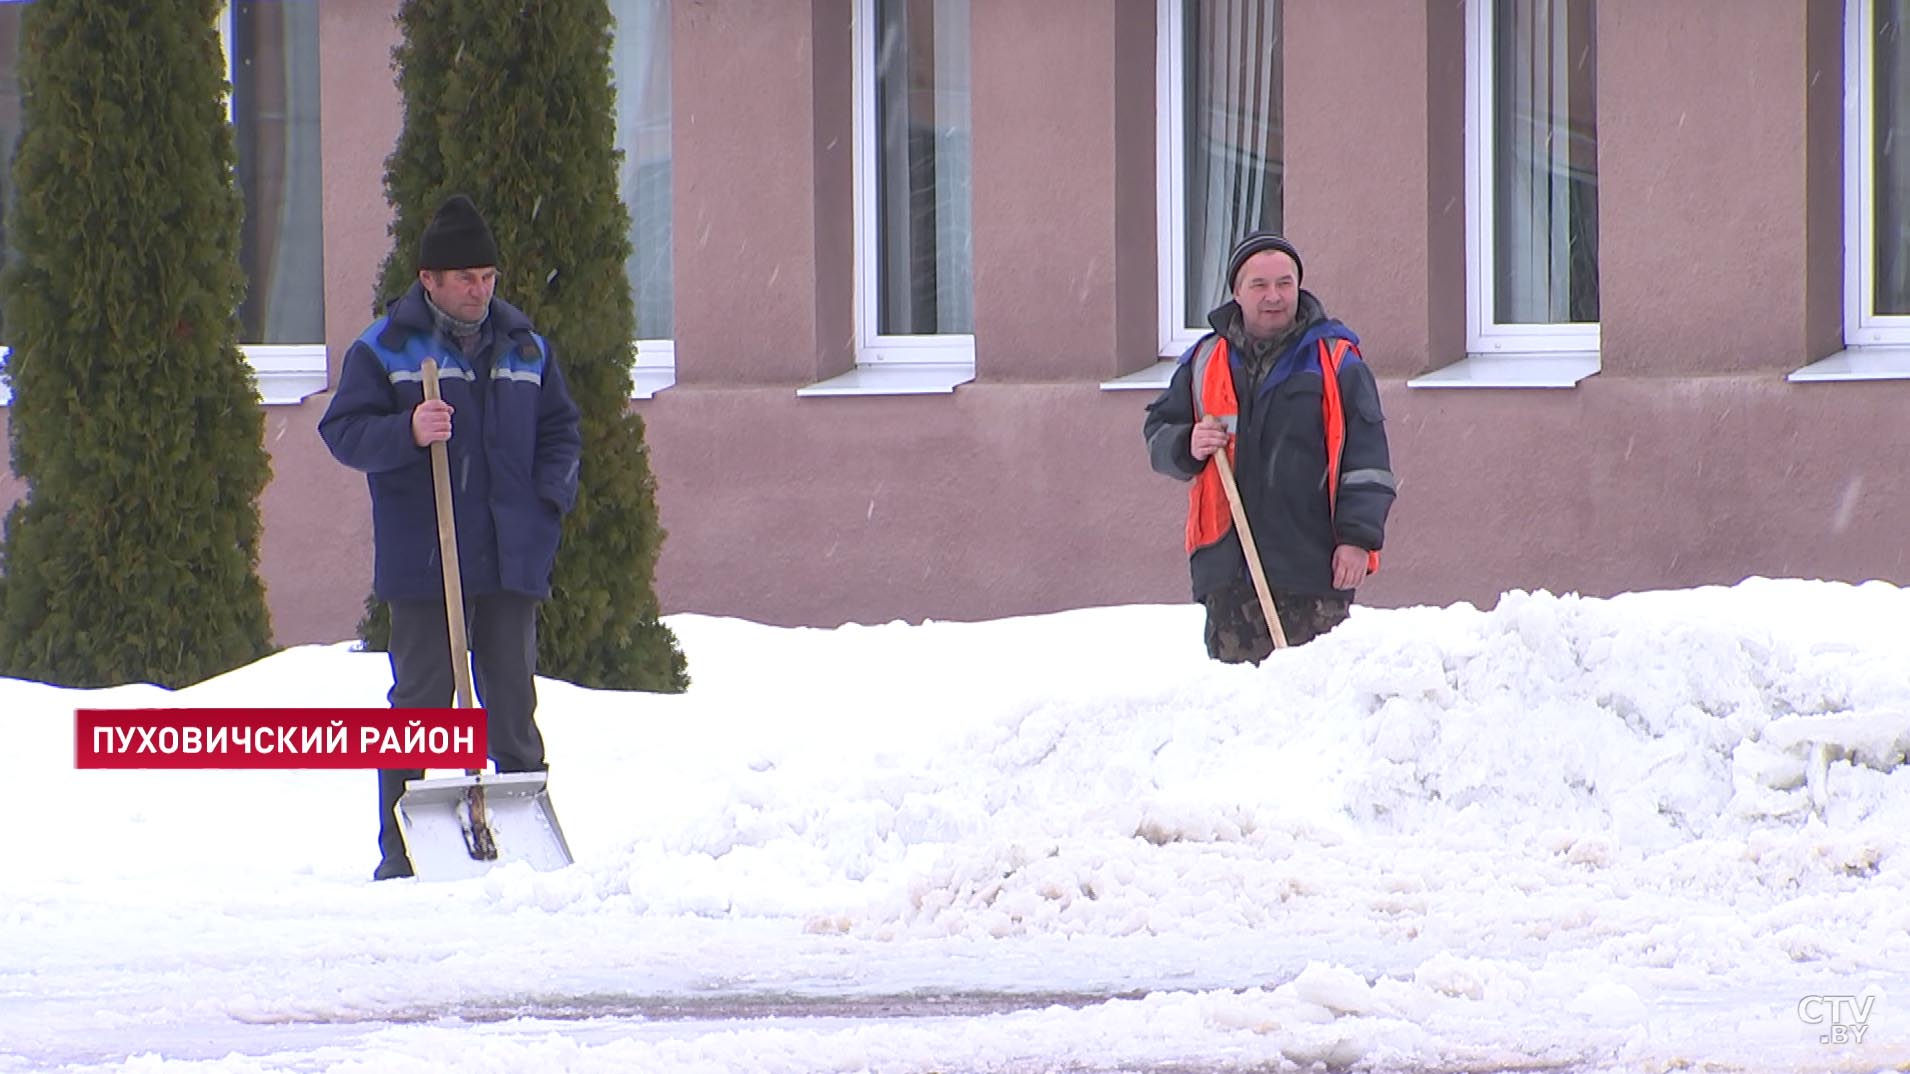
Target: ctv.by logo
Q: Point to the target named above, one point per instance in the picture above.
(1845, 1019)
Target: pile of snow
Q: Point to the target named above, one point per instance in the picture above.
(1632, 833)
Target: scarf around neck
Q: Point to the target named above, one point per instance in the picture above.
(462, 331)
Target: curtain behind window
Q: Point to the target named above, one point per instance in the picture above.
(924, 256)
(640, 60)
(1892, 156)
(1545, 162)
(1235, 166)
(275, 116)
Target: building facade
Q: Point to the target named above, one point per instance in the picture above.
(1634, 276)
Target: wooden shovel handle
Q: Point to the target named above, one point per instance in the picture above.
(479, 841)
(448, 552)
(1246, 545)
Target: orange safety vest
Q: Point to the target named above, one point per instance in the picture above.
(1208, 516)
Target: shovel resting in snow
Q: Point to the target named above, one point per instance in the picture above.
(442, 820)
(461, 826)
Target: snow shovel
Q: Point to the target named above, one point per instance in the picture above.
(461, 826)
(1246, 542)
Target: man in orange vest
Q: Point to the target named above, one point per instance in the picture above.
(1282, 389)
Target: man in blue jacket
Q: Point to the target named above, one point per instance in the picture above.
(511, 433)
(1315, 541)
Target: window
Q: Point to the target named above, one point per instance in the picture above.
(640, 64)
(1877, 202)
(1531, 197)
(1876, 198)
(272, 52)
(914, 277)
(918, 150)
(1221, 160)
(1532, 178)
(275, 118)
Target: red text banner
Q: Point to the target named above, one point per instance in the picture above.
(279, 738)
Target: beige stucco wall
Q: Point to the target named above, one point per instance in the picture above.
(1689, 459)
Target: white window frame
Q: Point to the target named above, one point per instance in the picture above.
(885, 364)
(1876, 347)
(654, 368)
(1175, 336)
(1862, 327)
(1170, 96)
(1538, 355)
(285, 373)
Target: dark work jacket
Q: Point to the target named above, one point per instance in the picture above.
(1280, 459)
(513, 450)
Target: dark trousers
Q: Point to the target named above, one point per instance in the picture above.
(501, 629)
(1237, 631)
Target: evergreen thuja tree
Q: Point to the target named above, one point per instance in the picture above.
(414, 172)
(135, 423)
(512, 104)
(414, 179)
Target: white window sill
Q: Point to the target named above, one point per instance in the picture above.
(646, 382)
(1154, 378)
(1858, 363)
(284, 374)
(655, 369)
(1558, 370)
(895, 378)
(287, 374)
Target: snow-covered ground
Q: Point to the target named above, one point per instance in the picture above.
(1560, 834)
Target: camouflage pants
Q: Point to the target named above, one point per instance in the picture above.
(1237, 629)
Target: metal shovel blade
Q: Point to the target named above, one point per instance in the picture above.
(435, 817)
